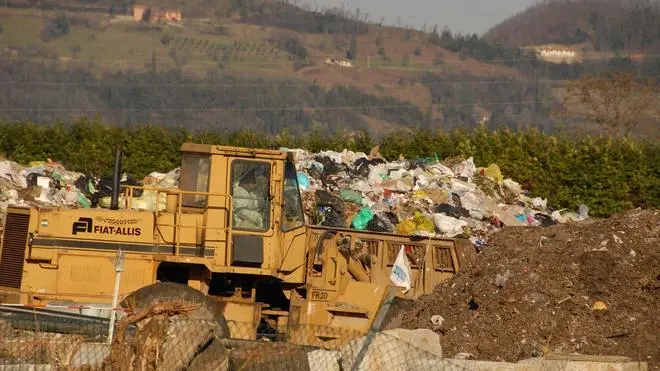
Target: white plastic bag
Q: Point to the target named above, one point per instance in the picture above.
(400, 275)
(448, 225)
(466, 169)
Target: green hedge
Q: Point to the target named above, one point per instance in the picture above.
(607, 174)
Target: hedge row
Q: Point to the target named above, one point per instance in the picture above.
(609, 175)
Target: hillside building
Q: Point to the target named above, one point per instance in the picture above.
(151, 15)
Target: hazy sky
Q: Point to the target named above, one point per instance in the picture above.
(465, 16)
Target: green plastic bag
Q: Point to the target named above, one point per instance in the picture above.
(362, 218)
(83, 201)
(351, 196)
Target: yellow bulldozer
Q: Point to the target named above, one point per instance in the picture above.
(232, 233)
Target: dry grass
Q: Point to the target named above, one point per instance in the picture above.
(55, 349)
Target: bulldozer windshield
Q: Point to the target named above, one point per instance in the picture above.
(194, 177)
(250, 194)
(292, 211)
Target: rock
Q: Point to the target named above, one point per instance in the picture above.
(214, 358)
(326, 360)
(184, 339)
(395, 350)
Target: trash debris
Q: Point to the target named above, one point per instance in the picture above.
(417, 225)
(423, 196)
(351, 196)
(437, 319)
(362, 219)
(448, 225)
(502, 279)
(381, 223)
(303, 181)
(599, 305)
(400, 275)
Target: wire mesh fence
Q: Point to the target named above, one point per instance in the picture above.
(169, 343)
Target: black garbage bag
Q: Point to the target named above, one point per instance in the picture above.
(416, 163)
(104, 187)
(330, 167)
(315, 171)
(380, 223)
(545, 220)
(32, 179)
(333, 218)
(391, 217)
(325, 198)
(361, 166)
(334, 209)
(83, 184)
(453, 211)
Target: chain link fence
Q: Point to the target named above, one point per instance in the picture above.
(169, 343)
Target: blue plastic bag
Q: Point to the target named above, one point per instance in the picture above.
(303, 181)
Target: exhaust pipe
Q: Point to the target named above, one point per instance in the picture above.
(116, 180)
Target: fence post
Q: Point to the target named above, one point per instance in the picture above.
(375, 326)
(119, 267)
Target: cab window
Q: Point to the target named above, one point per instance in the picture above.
(250, 195)
(194, 177)
(292, 210)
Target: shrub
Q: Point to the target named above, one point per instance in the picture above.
(55, 28)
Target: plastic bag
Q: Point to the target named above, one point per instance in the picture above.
(493, 173)
(351, 196)
(448, 225)
(539, 203)
(333, 218)
(400, 275)
(418, 223)
(303, 181)
(583, 212)
(474, 204)
(466, 169)
(377, 174)
(512, 186)
(380, 223)
(362, 219)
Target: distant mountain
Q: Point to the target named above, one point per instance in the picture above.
(604, 25)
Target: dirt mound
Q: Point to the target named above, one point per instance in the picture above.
(534, 291)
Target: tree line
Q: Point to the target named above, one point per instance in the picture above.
(609, 174)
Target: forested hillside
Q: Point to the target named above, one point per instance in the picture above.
(262, 65)
(605, 25)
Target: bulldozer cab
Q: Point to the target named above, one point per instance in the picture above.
(249, 199)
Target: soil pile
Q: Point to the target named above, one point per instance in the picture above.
(591, 288)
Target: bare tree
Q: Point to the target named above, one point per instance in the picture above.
(617, 102)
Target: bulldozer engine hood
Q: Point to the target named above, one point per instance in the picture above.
(102, 225)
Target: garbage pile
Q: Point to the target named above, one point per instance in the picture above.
(417, 197)
(49, 184)
(346, 189)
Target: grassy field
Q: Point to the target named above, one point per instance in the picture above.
(104, 43)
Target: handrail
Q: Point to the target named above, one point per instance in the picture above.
(129, 191)
(227, 206)
(176, 191)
